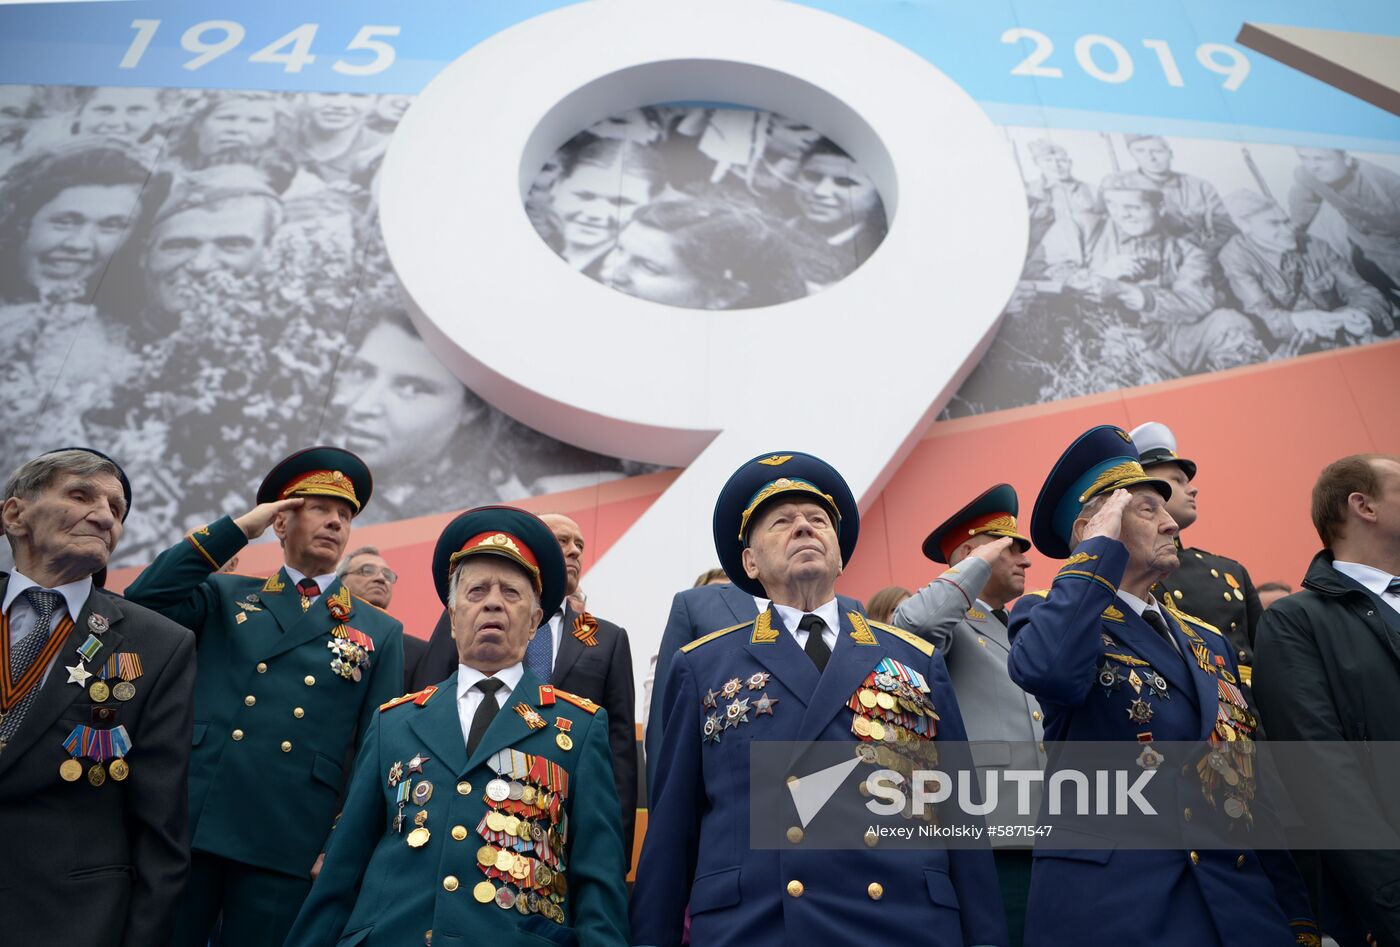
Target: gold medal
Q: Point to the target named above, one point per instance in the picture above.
(886, 701)
(520, 869)
(877, 730)
(99, 691)
(486, 856)
(96, 774)
(527, 795)
(71, 770)
(418, 837)
(484, 892)
(862, 726)
(495, 821)
(118, 770)
(512, 825)
(867, 698)
(124, 690)
(504, 859)
(564, 741)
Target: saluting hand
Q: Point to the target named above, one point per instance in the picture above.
(256, 521)
(1108, 521)
(989, 552)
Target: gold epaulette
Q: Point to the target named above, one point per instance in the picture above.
(582, 703)
(687, 648)
(1042, 593)
(908, 637)
(1170, 606)
(419, 698)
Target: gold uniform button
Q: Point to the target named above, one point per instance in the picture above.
(286, 746)
(450, 883)
(298, 712)
(1186, 814)
(794, 835)
(792, 780)
(459, 832)
(249, 701)
(1239, 862)
(309, 679)
(262, 667)
(871, 839)
(876, 891)
(1042, 747)
(464, 788)
(427, 939)
(1195, 859)
(795, 888)
(238, 734)
(1035, 715)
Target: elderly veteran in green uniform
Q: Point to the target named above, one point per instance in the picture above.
(482, 810)
(1215, 589)
(963, 613)
(291, 669)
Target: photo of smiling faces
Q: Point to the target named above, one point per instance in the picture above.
(707, 208)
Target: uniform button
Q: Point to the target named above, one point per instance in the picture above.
(1239, 862)
(876, 891)
(286, 746)
(262, 667)
(1195, 859)
(792, 780)
(1215, 574)
(1226, 596)
(1035, 715)
(1186, 814)
(298, 712)
(427, 939)
(464, 788)
(238, 734)
(871, 839)
(459, 832)
(794, 835)
(982, 641)
(1042, 747)
(250, 700)
(795, 888)
(1179, 594)
(449, 883)
(309, 679)
(1242, 655)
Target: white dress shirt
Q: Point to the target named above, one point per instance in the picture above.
(324, 581)
(829, 613)
(556, 635)
(1372, 578)
(469, 696)
(1139, 606)
(23, 617)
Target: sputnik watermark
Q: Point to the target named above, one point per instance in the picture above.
(1067, 792)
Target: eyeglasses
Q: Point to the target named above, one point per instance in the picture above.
(370, 571)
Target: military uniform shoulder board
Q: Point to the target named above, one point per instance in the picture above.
(582, 703)
(1040, 593)
(1200, 623)
(1112, 613)
(691, 646)
(908, 637)
(976, 615)
(365, 602)
(418, 698)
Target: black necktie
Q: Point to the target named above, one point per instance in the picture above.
(816, 645)
(308, 587)
(1394, 587)
(1159, 624)
(485, 711)
(1002, 617)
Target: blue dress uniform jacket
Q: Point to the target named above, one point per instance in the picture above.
(274, 725)
(697, 853)
(1060, 642)
(377, 890)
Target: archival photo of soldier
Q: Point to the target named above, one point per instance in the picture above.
(707, 208)
(1158, 257)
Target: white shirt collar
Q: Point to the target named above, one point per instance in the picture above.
(468, 676)
(1136, 604)
(324, 581)
(75, 594)
(1372, 578)
(829, 613)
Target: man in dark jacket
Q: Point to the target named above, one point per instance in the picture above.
(1328, 669)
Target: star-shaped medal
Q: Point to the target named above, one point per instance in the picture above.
(711, 701)
(395, 774)
(77, 674)
(731, 688)
(712, 729)
(758, 681)
(415, 765)
(764, 705)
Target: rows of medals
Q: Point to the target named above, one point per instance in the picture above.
(895, 722)
(115, 679)
(526, 830)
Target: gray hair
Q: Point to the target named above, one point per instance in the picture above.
(35, 476)
(344, 568)
(1088, 510)
(455, 578)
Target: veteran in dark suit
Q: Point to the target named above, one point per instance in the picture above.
(95, 715)
(963, 614)
(1108, 662)
(785, 525)
(291, 669)
(481, 811)
(695, 613)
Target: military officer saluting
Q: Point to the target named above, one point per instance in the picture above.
(1109, 662)
(804, 670)
(1212, 588)
(291, 671)
(481, 810)
(963, 613)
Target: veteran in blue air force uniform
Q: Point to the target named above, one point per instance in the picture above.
(290, 675)
(1108, 662)
(482, 809)
(785, 524)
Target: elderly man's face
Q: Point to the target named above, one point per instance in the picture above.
(374, 588)
(1149, 532)
(495, 613)
(1134, 213)
(76, 521)
(315, 534)
(1152, 155)
(72, 237)
(230, 236)
(792, 541)
(1328, 165)
(570, 536)
(1272, 229)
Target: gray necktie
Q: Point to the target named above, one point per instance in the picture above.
(44, 603)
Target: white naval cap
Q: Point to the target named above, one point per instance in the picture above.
(1155, 444)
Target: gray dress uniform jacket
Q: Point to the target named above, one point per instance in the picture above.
(1003, 721)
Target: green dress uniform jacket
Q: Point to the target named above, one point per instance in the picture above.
(274, 724)
(378, 889)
